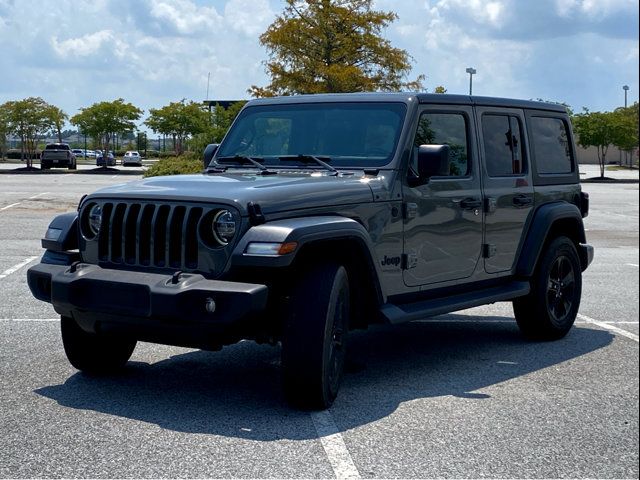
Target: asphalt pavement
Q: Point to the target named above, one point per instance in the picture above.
(462, 395)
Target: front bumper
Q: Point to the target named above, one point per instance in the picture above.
(187, 310)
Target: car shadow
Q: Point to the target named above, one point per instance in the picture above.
(237, 392)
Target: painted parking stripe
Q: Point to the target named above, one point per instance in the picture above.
(29, 319)
(633, 265)
(38, 195)
(333, 444)
(17, 267)
(9, 206)
(609, 327)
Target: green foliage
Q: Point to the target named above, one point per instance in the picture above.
(30, 119)
(58, 118)
(626, 123)
(184, 164)
(319, 46)
(178, 120)
(104, 119)
(440, 89)
(603, 129)
(220, 120)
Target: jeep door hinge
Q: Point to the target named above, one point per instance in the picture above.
(409, 210)
(488, 250)
(409, 260)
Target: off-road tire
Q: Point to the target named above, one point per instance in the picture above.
(96, 354)
(314, 337)
(549, 310)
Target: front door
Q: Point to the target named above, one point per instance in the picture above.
(508, 188)
(443, 216)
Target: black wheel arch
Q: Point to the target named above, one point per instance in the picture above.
(550, 221)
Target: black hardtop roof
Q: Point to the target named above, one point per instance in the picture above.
(408, 97)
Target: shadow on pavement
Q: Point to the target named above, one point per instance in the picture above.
(237, 392)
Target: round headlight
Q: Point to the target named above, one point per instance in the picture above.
(95, 219)
(224, 226)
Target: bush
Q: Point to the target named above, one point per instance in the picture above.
(184, 164)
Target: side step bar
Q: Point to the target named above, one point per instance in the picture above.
(407, 312)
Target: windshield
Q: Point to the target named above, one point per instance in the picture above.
(347, 134)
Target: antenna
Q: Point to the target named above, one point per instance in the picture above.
(208, 78)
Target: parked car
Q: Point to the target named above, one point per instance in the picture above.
(324, 213)
(132, 158)
(90, 153)
(57, 155)
(79, 153)
(109, 161)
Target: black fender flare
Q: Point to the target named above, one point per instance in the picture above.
(303, 231)
(541, 225)
(67, 238)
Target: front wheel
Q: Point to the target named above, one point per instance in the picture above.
(550, 310)
(314, 337)
(94, 353)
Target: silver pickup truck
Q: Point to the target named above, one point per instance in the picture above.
(57, 155)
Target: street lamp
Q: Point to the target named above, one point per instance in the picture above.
(626, 89)
(471, 71)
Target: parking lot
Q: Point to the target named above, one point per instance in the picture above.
(462, 395)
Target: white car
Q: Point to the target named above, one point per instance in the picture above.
(132, 158)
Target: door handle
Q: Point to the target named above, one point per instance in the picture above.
(470, 203)
(522, 200)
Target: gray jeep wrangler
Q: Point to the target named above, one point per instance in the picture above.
(320, 214)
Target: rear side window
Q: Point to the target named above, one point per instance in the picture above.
(551, 145)
(445, 129)
(503, 152)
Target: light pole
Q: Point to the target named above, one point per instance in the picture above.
(471, 71)
(626, 89)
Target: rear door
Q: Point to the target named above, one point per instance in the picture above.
(507, 182)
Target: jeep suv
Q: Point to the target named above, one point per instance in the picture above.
(319, 214)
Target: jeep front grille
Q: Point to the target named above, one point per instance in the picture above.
(147, 234)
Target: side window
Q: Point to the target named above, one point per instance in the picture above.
(444, 129)
(551, 146)
(503, 152)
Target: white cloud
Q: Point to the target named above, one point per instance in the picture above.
(82, 46)
(248, 16)
(184, 16)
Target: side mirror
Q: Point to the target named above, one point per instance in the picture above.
(433, 161)
(209, 152)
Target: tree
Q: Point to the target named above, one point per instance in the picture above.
(626, 128)
(319, 46)
(57, 119)
(179, 120)
(30, 120)
(219, 121)
(4, 129)
(440, 89)
(103, 120)
(596, 129)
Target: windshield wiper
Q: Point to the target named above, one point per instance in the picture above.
(246, 160)
(304, 158)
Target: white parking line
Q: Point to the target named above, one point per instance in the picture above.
(609, 327)
(333, 444)
(633, 265)
(9, 206)
(38, 195)
(17, 267)
(29, 319)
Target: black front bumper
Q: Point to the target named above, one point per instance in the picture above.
(187, 310)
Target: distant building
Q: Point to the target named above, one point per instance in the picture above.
(211, 104)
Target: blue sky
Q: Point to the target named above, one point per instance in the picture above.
(150, 52)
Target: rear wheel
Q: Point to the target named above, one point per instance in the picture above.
(94, 353)
(314, 337)
(550, 310)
